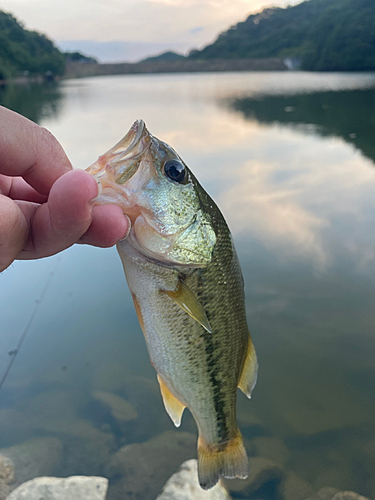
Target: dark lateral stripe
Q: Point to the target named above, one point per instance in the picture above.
(214, 377)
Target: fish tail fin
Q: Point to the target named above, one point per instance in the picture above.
(228, 460)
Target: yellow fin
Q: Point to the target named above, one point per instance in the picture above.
(228, 460)
(173, 406)
(249, 371)
(186, 299)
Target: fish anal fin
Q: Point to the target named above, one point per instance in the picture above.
(173, 406)
(228, 460)
(249, 371)
(188, 302)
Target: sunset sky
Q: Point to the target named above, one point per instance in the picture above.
(119, 30)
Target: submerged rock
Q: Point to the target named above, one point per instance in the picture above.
(348, 495)
(292, 487)
(335, 494)
(141, 469)
(120, 409)
(262, 471)
(35, 457)
(324, 494)
(55, 488)
(86, 449)
(337, 473)
(6, 476)
(144, 394)
(184, 485)
(4, 490)
(272, 448)
(6, 469)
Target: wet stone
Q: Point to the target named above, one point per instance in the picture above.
(138, 471)
(4, 490)
(324, 494)
(55, 488)
(35, 457)
(184, 485)
(348, 495)
(6, 469)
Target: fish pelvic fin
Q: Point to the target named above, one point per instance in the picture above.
(189, 303)
(173, 406)
(228, 460)
(249, 371)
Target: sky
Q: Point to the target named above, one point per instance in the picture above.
(129, 30)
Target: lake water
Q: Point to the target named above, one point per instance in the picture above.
(289, 159)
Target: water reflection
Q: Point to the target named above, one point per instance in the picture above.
(35, 101)
(349, 114)
(278, 154)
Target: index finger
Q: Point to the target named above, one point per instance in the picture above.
(30, 151)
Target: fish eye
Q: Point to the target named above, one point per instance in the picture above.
(175, 171)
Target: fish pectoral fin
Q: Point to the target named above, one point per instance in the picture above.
(189, 303)
(173, 406)
(249, 371)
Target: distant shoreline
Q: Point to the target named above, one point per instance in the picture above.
(82, 70)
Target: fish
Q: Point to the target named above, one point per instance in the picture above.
(187, 287)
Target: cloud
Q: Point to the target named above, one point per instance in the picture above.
(273, 211)
(196, 30)
(170, 22)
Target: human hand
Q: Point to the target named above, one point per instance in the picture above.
(45, 206)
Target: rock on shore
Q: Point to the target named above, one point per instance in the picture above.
(184, 485)
(56, 488)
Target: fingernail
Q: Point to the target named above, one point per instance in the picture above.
(129, 227)
(100, 189)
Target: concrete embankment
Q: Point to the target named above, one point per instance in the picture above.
(80, 70)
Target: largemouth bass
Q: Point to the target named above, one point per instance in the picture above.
(184, 276)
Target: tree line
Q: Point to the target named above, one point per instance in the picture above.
(320, 35)
(26, 52)
(323, 35)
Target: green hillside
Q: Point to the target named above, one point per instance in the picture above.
(325, 35)
(26, 51)
(165, 56)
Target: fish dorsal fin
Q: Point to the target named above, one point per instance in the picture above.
(250, 370)
(186, 299)
(173, 406)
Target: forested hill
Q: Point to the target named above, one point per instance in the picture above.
(26, 51)
(325, 35)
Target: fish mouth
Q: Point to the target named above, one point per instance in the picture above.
(122, 161)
